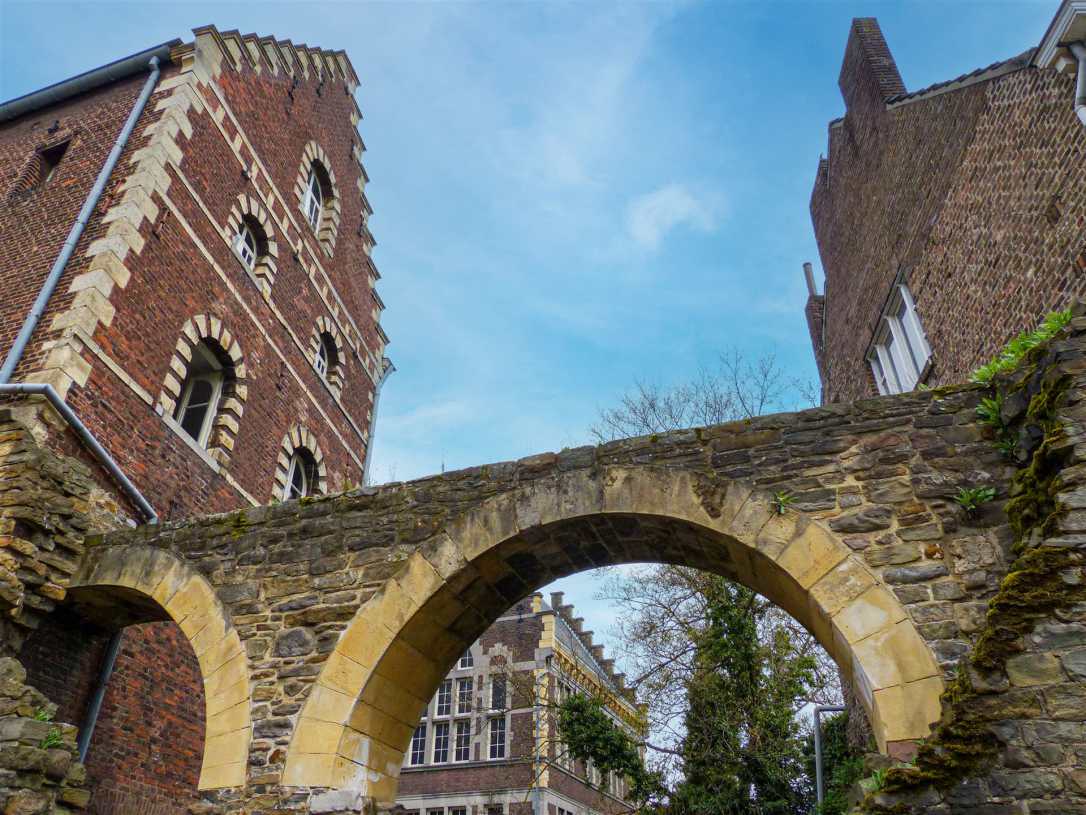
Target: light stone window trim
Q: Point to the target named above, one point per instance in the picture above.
(900, 353)
(315, 164)
(297, 439)
(205, 329)
(248, 212)
(328, 362)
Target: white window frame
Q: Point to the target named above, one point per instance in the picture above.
(313, 205)
(464, 724)
(467, 660)
(418, 749)
(440, 727)
(497, 751)
(465, 690)
(246, 246)
(215, 378)
(444, 695)
(297, 468)
(900, 353)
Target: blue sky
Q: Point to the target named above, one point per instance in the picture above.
(567, 197)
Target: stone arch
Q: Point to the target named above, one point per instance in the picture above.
(359, 717)
(313, 154)
(160, 582)
(248, 208)
(335, 375)
(297, 437)
(232, 401)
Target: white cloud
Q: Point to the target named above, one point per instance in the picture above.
(651, 216)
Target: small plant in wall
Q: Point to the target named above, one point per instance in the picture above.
(52, 739)
(781, 501)
(972, 499)
(42, 714)
(990, 414)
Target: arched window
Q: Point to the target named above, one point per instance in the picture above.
(200, 393)
(327, 357)
(315, 191)
(300, 469)
(314, 198)
(302, 476)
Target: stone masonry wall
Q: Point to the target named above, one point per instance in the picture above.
(882, 473)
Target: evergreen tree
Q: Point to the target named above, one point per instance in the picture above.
(743, 752)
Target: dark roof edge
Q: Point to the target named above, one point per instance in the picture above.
(89, 80)
(993, 71)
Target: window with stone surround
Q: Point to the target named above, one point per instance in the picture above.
(466, 660)
(327, 357)
(318, 200)
(252, 242)
(441, 742)
(300, 469)
(204, 392)
(900, 353)
(418, 745)
(497, 737)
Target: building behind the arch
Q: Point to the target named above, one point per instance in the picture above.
(948, 218)
(499, 753)
(216, 330)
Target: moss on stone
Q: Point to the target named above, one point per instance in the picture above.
(962, 744)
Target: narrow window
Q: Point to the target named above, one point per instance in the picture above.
(497, 693)
(200, 394)
(418, 745)
(48, 161)
(464, 688)
(314, 199)
(443, 707)
(246, 246)
(467, 661)
(497, 737)
(327, 357)
(463, 740)
(901, 351)
(441, 742)
(302, 475)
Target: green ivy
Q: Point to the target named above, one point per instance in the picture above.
(590, 734)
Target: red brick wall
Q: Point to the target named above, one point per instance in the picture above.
(34, 224)
(148, 742)
(63, 657)
(951, 192)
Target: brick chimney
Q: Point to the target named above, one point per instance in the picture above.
(869, 75)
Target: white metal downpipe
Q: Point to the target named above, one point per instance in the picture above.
(11, 361)
(1079, 50)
